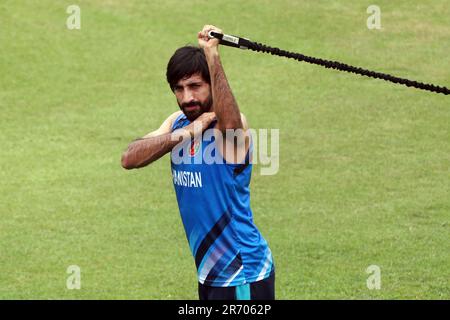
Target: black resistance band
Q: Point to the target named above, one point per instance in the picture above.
(243, 43)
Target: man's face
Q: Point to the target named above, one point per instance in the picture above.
(193, 96)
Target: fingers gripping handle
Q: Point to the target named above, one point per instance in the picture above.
(227, 40)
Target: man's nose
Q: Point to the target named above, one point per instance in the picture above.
(188, 96)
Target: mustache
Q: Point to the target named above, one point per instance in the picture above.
(191, 104)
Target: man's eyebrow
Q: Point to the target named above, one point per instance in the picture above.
(194, 82)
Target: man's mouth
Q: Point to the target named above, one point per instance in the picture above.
(191, 108)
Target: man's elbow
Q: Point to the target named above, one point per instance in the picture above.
(126, 161)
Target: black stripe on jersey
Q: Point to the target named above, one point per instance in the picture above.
(234, 266)
(212, 235)
(239, 169)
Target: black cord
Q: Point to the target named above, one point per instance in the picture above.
(259, 47)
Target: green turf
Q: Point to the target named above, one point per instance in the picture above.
(364, 165)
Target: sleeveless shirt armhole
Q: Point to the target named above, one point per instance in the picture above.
(241, 164)
(247, 155)
(175, 123)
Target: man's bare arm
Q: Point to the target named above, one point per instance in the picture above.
(224, 103)
(153, 146)
(144, 151)
(229, 119)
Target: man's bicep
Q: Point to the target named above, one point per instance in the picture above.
(156, 132)
(166, 126)
(235, 145)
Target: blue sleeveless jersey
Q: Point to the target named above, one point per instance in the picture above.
(214, 203)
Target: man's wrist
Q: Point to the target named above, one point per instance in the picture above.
(211, 52)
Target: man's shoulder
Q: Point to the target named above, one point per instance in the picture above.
(175, 115)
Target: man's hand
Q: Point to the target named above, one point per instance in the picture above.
(200, 124)
(204, 41)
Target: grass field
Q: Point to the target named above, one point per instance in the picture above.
(364, 172)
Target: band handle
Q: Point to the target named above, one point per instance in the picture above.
(228, 40)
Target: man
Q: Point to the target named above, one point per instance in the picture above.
(232, 258)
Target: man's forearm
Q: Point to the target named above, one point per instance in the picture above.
(144, 151)
(224, 103)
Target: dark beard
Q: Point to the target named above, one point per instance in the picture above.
(192, 115)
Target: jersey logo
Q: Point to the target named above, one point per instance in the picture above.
(195, 146)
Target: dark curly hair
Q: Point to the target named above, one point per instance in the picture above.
(185, 62)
